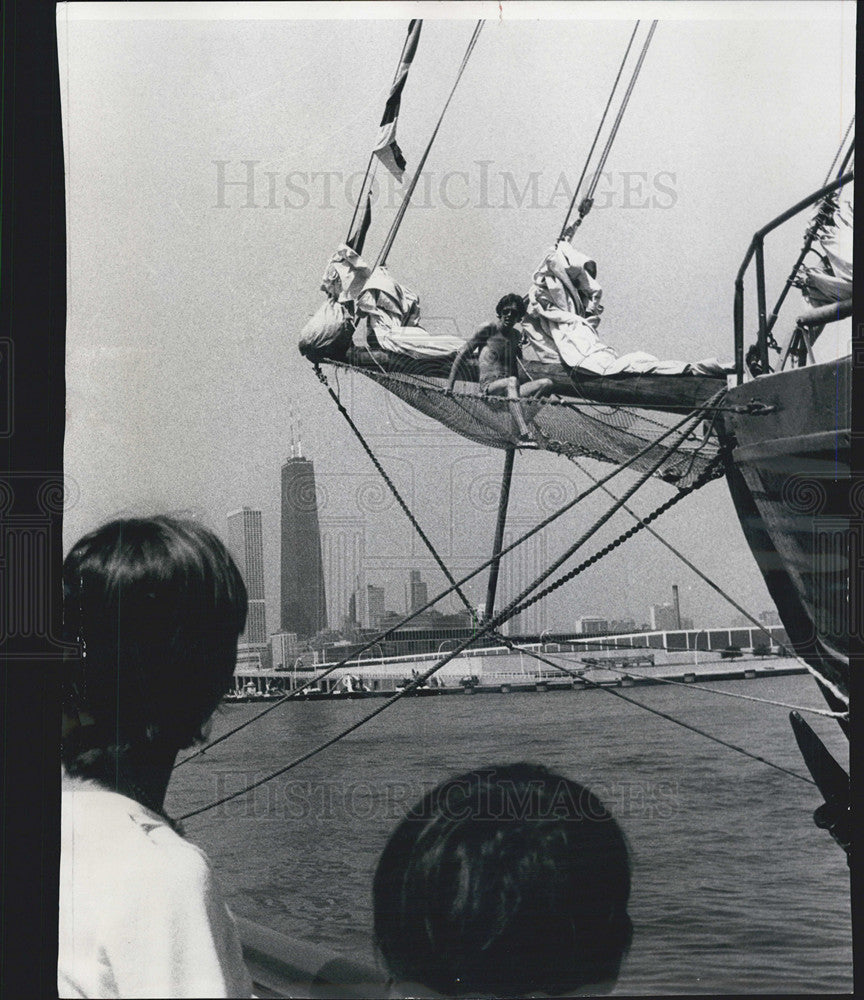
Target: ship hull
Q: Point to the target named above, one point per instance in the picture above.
(786, 443)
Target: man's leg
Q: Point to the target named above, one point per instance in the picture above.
(538, 387)
(509, 387)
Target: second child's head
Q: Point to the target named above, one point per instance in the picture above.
(505, 881)
(156, 606)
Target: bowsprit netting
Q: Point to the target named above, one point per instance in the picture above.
(575, 426)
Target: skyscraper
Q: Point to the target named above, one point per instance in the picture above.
(418, 592)
(369, 605)
(304, 608)
(342, 552)
(246, 545)
(518, 568)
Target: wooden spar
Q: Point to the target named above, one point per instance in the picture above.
(497, 544)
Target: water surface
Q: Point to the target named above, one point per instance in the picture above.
(735, 890)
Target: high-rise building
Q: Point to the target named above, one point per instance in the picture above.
(246, 545)
(342, 550)
(369, 605)
(284, 649)
(518, 568)
(418, 592)
(304, 608)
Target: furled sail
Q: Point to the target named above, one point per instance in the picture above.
(831, 279)
(563, 316)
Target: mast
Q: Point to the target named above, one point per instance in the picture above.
(503, 501)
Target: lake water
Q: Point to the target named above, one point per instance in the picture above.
(735, 890)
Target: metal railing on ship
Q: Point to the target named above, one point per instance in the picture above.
(817, 317)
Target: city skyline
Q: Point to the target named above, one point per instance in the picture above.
(365, 603)
(366, 606)
(180, 386)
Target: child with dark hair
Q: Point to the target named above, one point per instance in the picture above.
(506, 881)
(155, 606)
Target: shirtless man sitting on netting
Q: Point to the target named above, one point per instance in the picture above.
(499, 344)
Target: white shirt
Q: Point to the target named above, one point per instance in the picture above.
(140, 914)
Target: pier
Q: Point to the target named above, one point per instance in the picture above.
(499, 670)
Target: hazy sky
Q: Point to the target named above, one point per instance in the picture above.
(185, 299)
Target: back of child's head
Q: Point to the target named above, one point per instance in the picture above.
(504, 881)
(156, 606)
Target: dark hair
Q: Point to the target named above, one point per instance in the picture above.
(156, 606)
(504, 881)
(511, 299)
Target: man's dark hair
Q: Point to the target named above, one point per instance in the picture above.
(504, 881)
(513, 300)
(156, 606)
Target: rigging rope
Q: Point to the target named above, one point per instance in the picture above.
(597, 133)
(588, 200)
(710, 473)
(725, 694)
(392, 487)
(493, 624)
(837, 155)
(513, 608)
(397, 222)
(577, 675)
(380, 637)
(823, 213)
(680, 555)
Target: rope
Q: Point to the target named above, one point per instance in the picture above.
(414, 523)
(837, 154)
(680, 556)
(731, 600)
(380, 637)
(588, 200)
(512, 609)
(397, 222)
(493, 624)
(725, 694)
(392, 487)
(597, 134)
(577, 675)
(710, 473)
(822, 217)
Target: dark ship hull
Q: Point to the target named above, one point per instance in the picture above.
(787, 441)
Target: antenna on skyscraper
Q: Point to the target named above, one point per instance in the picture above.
(291, 428)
